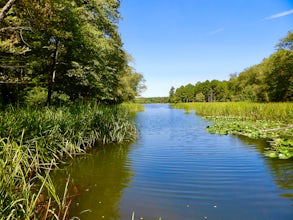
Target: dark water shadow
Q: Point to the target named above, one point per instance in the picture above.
(280, 170)
(97, 181)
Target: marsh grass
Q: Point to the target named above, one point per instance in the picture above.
(35, 141)
(133, 107)
(273, 121)
(281, 112)
(22, 182)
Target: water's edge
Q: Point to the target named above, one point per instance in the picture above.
(177, 170)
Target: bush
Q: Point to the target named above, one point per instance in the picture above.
(36, 97)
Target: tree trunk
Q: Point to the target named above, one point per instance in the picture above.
(5, 9)
(51, 76)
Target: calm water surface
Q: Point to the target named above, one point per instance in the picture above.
(177, 170)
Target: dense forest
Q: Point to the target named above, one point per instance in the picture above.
(56, 51)
(269, 81)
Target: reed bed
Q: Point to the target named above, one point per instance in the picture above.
(273, 121)
(133, 107)
(35, 141)
(282, 112)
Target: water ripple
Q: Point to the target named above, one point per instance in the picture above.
(183, 172)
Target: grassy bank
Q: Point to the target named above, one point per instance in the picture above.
(273, 121)
(34, 141)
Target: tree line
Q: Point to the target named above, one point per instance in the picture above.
(55, 51)
(149, 100)
(269, 81)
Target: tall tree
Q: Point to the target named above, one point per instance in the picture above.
(279, 77)
(70, 47)
(171, 94)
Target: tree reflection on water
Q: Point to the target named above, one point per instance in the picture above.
(280, 170)
(97, 181)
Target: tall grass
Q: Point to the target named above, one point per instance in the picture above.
(133, 107)
(245, 110)
(81, 125)
(20, 185)
(34, 141)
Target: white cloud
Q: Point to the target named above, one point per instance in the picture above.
(216, 31)
(282, 14)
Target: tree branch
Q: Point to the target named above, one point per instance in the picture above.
(5, 9)
(15, 28)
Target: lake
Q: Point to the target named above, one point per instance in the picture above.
(177, 170)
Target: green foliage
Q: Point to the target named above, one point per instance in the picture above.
(200, 97)
(132, 84)
(36, 97)
(171, 95)
(68, 47)
(246, 110)
(150, 100)
(133, 107)
(58, 126)
(286, 42)
(279, 77)
(60, 99)
(203, 91)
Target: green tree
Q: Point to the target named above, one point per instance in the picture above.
(279, 77)
(200, 97)
(189, 93)
(286, 42)
(248, 83)
(68, 47)
(132, 84)
(171, 95)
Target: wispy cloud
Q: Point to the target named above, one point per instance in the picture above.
(282, 14)
(216, 31)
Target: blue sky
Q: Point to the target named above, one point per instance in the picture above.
(176, 42)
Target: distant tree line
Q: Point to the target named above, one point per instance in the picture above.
(64, 50)
(148, 100)
(269, 81)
